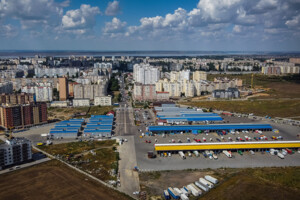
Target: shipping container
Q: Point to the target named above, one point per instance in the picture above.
(184, 197)
(202, 186)
(209, 184)
(174, 194)
(166, 195)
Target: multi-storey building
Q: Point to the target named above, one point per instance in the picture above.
(230, 93)
(90, 91)
(42, 91)
(56, 72)
(13, 99)
(15, 151)
(63, 89)
(25, 115)
(6, 87)
(81, 102)
(144, 92)
(103, 101)
(199, 75)
(145, 74)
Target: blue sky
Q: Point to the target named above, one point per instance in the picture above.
(221, 25)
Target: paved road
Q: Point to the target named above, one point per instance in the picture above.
(126, 129)
(36, 162)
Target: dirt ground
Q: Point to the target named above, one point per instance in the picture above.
(235, 184)
(52, 180)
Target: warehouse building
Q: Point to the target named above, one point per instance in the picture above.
(99, 126)
(177, 115)
(195, 129)
(226, 146)
(67, 129)
(15, 151)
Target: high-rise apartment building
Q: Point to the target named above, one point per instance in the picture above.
(199, 75)
(63, 89)
(25, 115)
(145, 74)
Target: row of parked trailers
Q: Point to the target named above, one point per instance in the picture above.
(195, 189)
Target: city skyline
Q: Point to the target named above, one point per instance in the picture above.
(200, 25)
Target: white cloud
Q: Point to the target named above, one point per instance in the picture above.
(115, 26)
(8, 31)
(33, 13)
(81, 20)
(113, 8)
(294, 22)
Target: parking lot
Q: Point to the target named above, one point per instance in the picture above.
(175, 162)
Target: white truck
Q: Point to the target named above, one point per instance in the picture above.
(196, 153)
(211, 179)
(182, 155)
(280, 155)
(227, 153)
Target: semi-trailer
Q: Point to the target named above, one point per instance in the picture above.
(183, 191)
(183, 197)
(182, 155)
(174, 194)
(227, 153)
(196, 188)
(211, 179)
(193, 190)
(203, 187)
(188, 190)
(166, 195)
(205, 182)
(178, 191)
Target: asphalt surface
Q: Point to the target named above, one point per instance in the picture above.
(125, 129)
(288, 132)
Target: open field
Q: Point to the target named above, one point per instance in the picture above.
(67, 113)
(101, 162)
(53, 180)
(256, 183)
(276, 86)
(273, 108)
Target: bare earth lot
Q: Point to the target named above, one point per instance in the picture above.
(235, 184)
(53, 180)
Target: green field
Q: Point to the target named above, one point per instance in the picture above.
(99, 162)
(273, 108)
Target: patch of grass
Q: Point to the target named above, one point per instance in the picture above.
(273, 108)
(100, 162)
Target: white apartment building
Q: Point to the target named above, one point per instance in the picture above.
(89, 91)
(145, 74)
(15, 151)
(52, 72)
(199, 75)
(81, 102)
(103, 65)
(103, 101)
(42, 91)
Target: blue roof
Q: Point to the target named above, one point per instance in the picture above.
(55, 131)
(102, 116)
(210, 127)
(199, 118)
(97, 131)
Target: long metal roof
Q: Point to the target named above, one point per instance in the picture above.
(198, 118)
(210, 127)
(226, 145)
